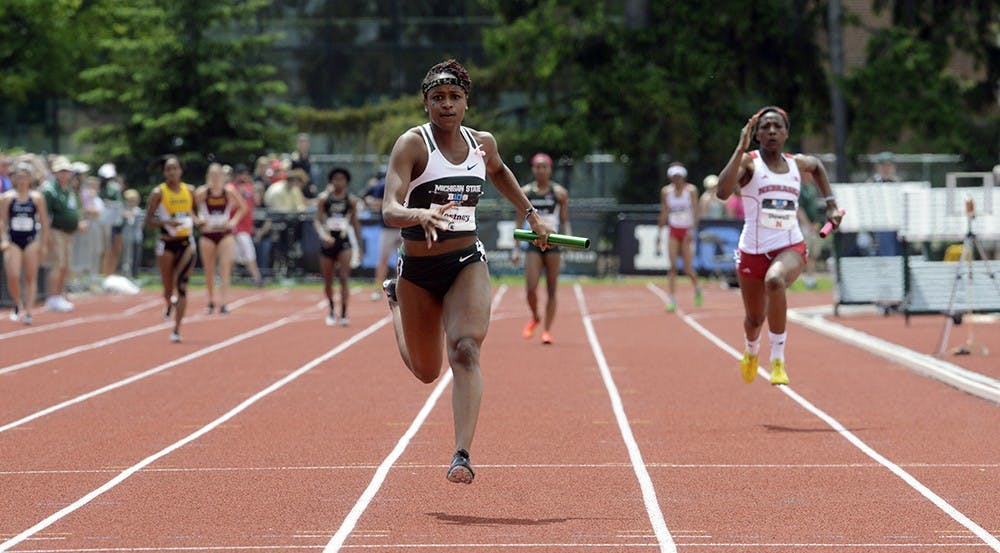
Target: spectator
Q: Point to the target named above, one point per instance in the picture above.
(389, 239)
(88, 246)
(132, 224)
(112, 222)
(300, 160)
(709, 205)
(5, 182)
(244, 252)
(64, 214)
(286, 195)
(885, 168)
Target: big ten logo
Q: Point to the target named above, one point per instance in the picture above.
(648, 258)
(505, 235)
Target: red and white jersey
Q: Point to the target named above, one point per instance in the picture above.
(770, 206)
(680, 209)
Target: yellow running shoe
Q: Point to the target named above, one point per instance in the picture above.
(748, 367)
(778, 374)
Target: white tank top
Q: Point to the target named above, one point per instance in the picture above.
(443, 182)
(680, 209)
(770, 207)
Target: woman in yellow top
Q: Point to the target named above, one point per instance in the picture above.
(171, 208)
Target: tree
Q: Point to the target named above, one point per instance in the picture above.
(37, 49)
(182, 77)
(905, 94)
(678, 88)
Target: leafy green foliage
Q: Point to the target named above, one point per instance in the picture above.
(39, 48)
(183, 77)
(679, 87)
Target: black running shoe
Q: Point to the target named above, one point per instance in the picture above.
(460, 471)
(223, 310)
(209, 308)
(389, 286)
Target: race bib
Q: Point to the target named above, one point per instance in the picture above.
(336, 222)
(778, 214)
(217, 220)
(463, 218)
(184, 226)
(22, 223)
(551, 220)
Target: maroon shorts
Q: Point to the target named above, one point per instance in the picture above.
(755, 265)
(679, 233)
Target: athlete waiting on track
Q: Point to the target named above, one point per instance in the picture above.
(551, 201)
(336, 216)
(24, 238)
(436, 174)
(772, 250)
(679, 213)
(171, 208)
(220, 209)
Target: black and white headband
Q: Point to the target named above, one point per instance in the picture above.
(444, 80)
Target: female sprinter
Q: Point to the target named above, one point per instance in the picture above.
(336, 215)
(772, 250)
(24, 238)
(551, 200)
(220, 208)
(171, 208)
(679, 211)
(436, 174)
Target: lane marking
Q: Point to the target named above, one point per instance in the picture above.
(347, 526)
(974, 383)
(157, 369)
(124, 475)
(923, 490)
(515, 466)
(506, 546)
(112, 340)
(659, 525)
(81, 320)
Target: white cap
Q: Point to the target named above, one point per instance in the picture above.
(107, 171)
(677, 170)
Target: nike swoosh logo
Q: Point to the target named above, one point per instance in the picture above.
(464, 258)
(470, 167)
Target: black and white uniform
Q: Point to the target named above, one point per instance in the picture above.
(440, 183)
(547, 206)
(338, 220)
(22, 222)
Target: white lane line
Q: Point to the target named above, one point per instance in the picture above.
(968, 381)
(159, 368)
(81, 320)
(351, 520)
(113, 340)
(509, 546)
(513, 466)
(638, 465)
(934, 498)
(124, 475)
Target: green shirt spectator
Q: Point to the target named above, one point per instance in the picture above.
(64, 206)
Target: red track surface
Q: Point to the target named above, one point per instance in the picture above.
(270, 442)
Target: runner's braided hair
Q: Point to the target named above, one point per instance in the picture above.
(459, 76)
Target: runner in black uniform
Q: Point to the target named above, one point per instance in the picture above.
(551, 201)
(336, 218)
(437, 172)
(24, 236)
